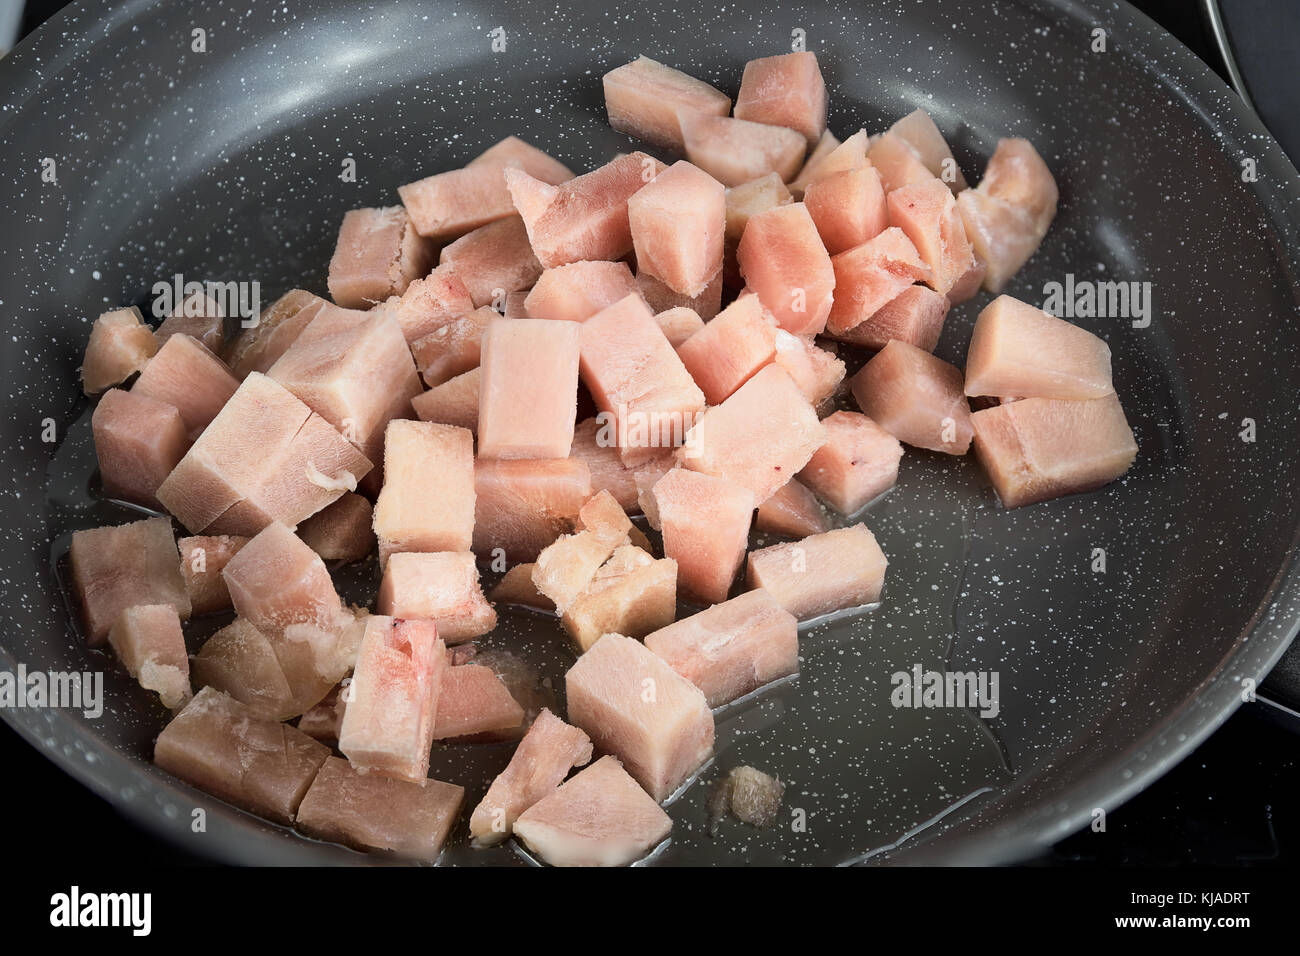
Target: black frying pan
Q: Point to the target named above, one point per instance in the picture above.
(225, 165)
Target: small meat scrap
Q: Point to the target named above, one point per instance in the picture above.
(577, 291)
(120, 566)
(544, 757)
(1035, 449)
(857, 464)
(524, 505)
(661, 298)
(370, 811)
(440, 586)
(731, 648)
(474, 700)
(239, 660)
(494, 261)
(266, 457)
(454, 402)
(785, 90)
(148, 641)
(752, 796)
(454, 348)
(199, 316)
(428, 303)
(222, 747)
(744, 202)
(817, 371)
(792, 511)
(822, 573)
(410, 514)
(827, 143)
(643, 98)
(633, 705)
(341, 531)
(185, 375)
(566, 567)
(451, 204)
(595, 442)
(915, 316)
(1017, 349)
(528, 390)
(631, 591)
(915, 397)
(705, 524)
(202, 559)
(120, 345)
(782, 258)
(393, 696)
(927, 212)
(727, 351)
(257, 346)
(679, 324)
(138, 441)
(378, 254)
(601, 817)
(735, 151)
(870, 276)
(678, 220)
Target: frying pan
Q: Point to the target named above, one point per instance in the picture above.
(225, 164)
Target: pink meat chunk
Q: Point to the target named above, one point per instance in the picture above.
(148, 641)
(919, 131)
(370, 811)
(822, 573)
(454, 402)
(915, 316)
(679, 324)
(758, 438)
(733, 647)
(643, 97)
(517, 587)
(391, 702)
(528, 390)
(524, 505)
(661, 298)
(428, 303)
(120, 345)
(566, 567)
(494, 261)
(378, 254)
(662, 738)
(848, 208)
(1008, 214)
(915, 397)
(453, 203)
(1036, 449)
(138, 441)
(927, 213)
(275, 580)
(726, 352)
(630, 592)
(453, 349)
(817, 371)
(595, 442)
(549, 750)
(440, 586)
(897, 162)
(784, 262)
(198, 316)
(257, 347)
(323, 721)
(705, 523)
(870, 276)
(827, 143)
(678, 220)
(341, 531)
(743, 203)
(185, 375)
(202, 559)
(1017, 349)
(785, 90)
(736, 151)
(792, 511)
(240, 660)
(266, 457)
(222, 747)
(120, 566)
(858, 463)
(847, 156)
(410, 515)
(474, 700)
(586, 217)
(578, 290)
(636, 378)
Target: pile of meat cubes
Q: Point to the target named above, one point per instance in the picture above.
(511, 363)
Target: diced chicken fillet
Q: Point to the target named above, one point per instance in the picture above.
(199, 316)
(631, 591)
(410, 515)
(453, 349)
(474, 700)
(454, 402)
(678, 221)
(784, 262)
(817, 371)
(916, 316)
(185, 375)
(202, 559)
(915, 397)
(1008, 214)
(378, 254)
(897, 162)
(595, 442)
(848, 208)
(826, 572)
(927, 213)
(918, 130)
(148, 641)
(440, 586)
(239, 660)
(276, 580)
(705, 523)
(259, 345)
(494, 261)
(341, 531)
(858, 463)
(735, 151)
(792, 511)
(528, 389)
(428, 303)
(138, 441)
(524, 505)
(661, 298)
(743, 203)
(730, 348)
(826, 144)
(577, 291)
(643, 97)
(120, 345)
(785, 90)
(870, 276)
(517, 587)
(679, 324)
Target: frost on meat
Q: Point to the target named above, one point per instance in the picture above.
(438, 586)
(147, 639)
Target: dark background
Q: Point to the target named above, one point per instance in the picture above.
(1234, 802)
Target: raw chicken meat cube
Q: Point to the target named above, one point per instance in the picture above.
(202, 560)
(927, 213)
(758, 438)
(494, 261)
(266, 457)
(1017, 349)
(474, 700)
(522, 506)
(826, 144)
(275, 580)
(118, 567)
(601, 817)
(314, 659)
(1036, 449)
(705, 524)
(604, 515)
(566, 567)
(643, 97)
(915, 397)
(846, 157)
(222, 747)
(785, 90)
(440, 586)
(679, 324)
(732, 648)
(428, 303)
(822, 573)
(391, 702)
(579, 290)
(185, 375)
(735, 151)
(661, 298)
(198, 316)
(323, 721)
(138, 441)
(453, 349)
(919, 131)
(517, 587)
(847, 207)
(631, 592)
(817, 371)
(636, 707)
(369, 811)
(678, 220)
(792, 511)
(147, 639)
(858, 463)
(595, 442)
(869, 277)
(454, 402)
(784, 262)
(744, 202)
(258, 346)
(378, 254)
(410, 515)
(341, 531)
(1008, 214)
(726, 352)
(968, 283)
(528, 390)
(120, 345)
(897, 162)
(915, 316)
(239, 660)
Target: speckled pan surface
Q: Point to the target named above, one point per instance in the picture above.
(225, 165)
